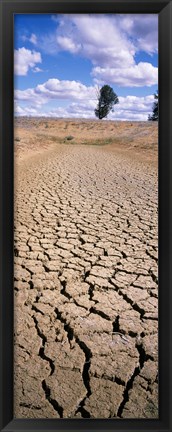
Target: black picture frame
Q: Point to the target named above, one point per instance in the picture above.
(164, 9)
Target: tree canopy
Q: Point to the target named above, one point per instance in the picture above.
(107, 98)
(154, 116)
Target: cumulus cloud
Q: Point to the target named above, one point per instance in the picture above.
(111, 43)
(29, 95)
(25, 59)
(56, 89)
(133, 108)
(129, 107)
(18, 110)
(67, 44)
(87, 34)
(142, 74)
(143, 29)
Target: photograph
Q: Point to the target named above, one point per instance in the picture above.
(86, 216)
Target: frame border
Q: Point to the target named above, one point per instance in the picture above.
(7, 9)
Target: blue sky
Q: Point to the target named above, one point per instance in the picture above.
(60, 62)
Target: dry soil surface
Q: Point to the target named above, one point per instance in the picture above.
(86, 284)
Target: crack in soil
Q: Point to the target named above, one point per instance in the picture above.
(77, 213)
(53, 402)
(134, 305)
(100, 313)
(143, 358)
(86, 366)
(25, 405)
(41, 350)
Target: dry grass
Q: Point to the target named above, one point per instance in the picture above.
(136, 139)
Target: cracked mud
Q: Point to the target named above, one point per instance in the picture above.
(86, 283)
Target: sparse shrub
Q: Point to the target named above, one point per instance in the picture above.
(17, 139)
(69, 137)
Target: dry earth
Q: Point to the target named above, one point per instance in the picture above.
(86, 293)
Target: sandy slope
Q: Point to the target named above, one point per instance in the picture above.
(86, 270)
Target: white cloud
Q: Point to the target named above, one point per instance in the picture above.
(129, 108)
(25, 59)
(67, 44)
(33, 39)
(30, 96)
(56, 89)
(37, 69)
(143, 29)
(48, 43)
(18, 110)
(142, 74)
(97, 38)
(133, 108)
(111, 43)
(24, 111)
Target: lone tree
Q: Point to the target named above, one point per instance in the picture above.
(154, 116)
(107, 98)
